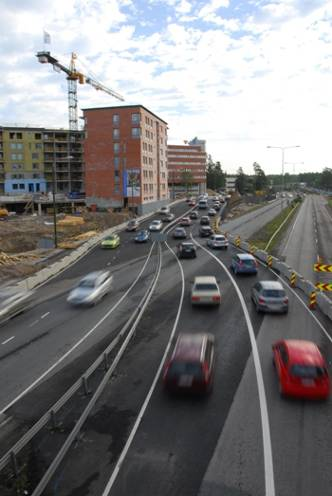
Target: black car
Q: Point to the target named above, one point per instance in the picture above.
(205, 220)
(205, 231)
(186, 250)
(193, 215)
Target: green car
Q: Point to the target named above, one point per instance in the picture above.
(111, 241)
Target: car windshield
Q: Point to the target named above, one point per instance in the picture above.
(206, 287)
(87, 283)
(274, 293)
(110, 238)
(185, 368)
(219, 238)
(155, 222)
(307, 371)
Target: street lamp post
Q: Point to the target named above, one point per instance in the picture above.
(55, 233)
(283, 148)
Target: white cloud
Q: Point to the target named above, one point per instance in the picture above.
(212, 7)
(240, 92)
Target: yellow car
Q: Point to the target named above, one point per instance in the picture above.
(111, 241)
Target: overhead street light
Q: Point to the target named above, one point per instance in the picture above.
(62, 159)
(283, 148)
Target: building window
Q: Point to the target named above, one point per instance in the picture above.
(19, 135)
(15, 186)
(15, 135)
(116, 147)
(17, 166)
(16, 156)
(35, 166)
(135, 118)
(116, 162)
(35, 176)
(37, 136)
(150, 161)
(116, 118)
(116, 133)
(21, 186)
(116, 188)
(135, 132)
(38, 146)
(34, 155)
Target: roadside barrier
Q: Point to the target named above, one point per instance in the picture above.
(293, 279)
(312, 300)
(269, 260)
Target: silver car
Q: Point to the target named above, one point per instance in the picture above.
(218, 241)
(13, 302)
(156, 225)
(91, 289)
(205, 291)
(269, 296)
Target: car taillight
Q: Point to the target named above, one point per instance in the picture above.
(195, 298)
(240, 262)
(261, 300)
(285, 300)
(216, 298)
(205, 373)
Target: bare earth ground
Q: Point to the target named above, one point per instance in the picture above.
(20, 255)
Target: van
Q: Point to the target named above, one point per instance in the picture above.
(202, 204)
(191, 366)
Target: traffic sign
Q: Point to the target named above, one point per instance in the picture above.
(324, 286)
(318, 267)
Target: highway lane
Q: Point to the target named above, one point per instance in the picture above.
(32, 345)
(188, 446)
(300, 430)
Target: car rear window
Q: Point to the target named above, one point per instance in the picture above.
(206, 287)
(248, 262)
(87, 283)
(307, 371)
(185, 368)
(274, 293)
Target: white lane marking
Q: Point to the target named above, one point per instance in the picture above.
(34, 323)
(76, 345)
(45, 315)
(148, 397)
(7, 340)
(267, 445)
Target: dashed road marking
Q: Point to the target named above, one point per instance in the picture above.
(7, 340)
(33, 323)
(45, 315)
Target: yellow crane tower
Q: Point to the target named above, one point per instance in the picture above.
(72, 77)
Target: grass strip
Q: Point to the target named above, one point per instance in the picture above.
(261, 238)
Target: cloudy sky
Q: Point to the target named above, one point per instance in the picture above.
(241, 74)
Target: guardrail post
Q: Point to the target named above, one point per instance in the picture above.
(293, 279)
(269, 261)
(53, 419)
(313, 300)
(85, 386)
(106, 361)
(14, 463)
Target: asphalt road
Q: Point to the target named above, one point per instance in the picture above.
(176, 446)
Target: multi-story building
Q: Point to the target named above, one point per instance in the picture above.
(187, 167)
(28, 157)
(125, 154)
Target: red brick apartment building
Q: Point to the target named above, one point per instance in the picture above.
(125, 152)
(187, 167)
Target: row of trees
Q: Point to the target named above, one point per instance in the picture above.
(258, 181)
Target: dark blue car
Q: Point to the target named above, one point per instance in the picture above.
(244, 263)
(142, 236)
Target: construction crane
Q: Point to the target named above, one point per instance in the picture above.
(72, 77)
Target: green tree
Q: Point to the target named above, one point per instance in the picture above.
(241, 181)
(187, 178)
(215, 176)
(326, 178)
(260, 178)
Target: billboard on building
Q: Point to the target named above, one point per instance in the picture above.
(132, 182)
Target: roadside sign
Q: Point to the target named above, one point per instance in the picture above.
(324, 286)
(318, 267)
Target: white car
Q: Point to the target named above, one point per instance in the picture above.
(218, 241)
(212, 212)
(91, 289)
(205, 291)
(164, 210)
(156, 225)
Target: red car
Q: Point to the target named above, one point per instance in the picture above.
(301, 369)
(191, 366)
